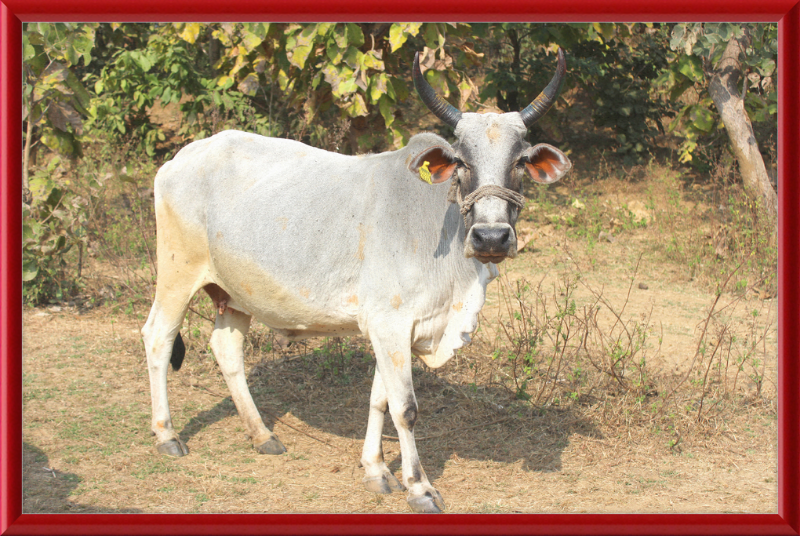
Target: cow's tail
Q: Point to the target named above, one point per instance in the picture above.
(178, 352)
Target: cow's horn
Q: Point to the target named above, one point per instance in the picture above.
(449, 114)
(542, 103)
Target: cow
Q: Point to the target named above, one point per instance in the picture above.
(397, 246)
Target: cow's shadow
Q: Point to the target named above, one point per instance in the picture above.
(329, 392)
(48, 490)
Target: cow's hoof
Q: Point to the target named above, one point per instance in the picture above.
(173, 447)
(271, 446)
(430, 502)
(384, 484)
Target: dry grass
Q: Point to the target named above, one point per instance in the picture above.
(649, 392)
(87, 417)
(483, 449)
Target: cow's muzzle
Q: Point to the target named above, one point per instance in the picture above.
(491, 242)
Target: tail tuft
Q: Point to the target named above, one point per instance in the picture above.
(178, 352)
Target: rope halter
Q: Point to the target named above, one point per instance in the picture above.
(487, 190)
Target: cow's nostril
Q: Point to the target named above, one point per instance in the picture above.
(504, 232)
(494, 239)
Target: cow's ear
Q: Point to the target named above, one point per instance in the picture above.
(546, 164)
(434, 165)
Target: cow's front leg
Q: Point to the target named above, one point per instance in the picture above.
(377, 477)
(393, 354)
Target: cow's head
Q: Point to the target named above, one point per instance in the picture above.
(488, 163)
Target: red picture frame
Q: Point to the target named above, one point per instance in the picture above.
(14, 12)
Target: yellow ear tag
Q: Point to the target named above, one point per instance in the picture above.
(425, 173)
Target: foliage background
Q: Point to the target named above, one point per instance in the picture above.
(106, 104)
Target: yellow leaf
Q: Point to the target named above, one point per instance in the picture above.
(398, 33)
(605, 29)
(358, 107)
(190, 32)
(223, 37)
(300, 55)
(251, 41)
(283, 80)
(241, 60)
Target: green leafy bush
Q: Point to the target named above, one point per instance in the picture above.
(54, 225)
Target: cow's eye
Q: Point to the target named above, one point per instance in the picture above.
(462, 169)
(518, 174)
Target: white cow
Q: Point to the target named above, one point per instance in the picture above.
(314, 243)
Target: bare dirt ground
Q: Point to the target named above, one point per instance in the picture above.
(88, 447)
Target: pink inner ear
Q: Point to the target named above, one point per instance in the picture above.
(543, 171)
(545, 166)
(440, 164)
(442, 172)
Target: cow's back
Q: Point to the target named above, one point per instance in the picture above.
(220, 170)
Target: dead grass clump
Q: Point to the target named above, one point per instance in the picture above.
(714, 229)
(550, 347)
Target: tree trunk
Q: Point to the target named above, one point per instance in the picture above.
(730, 103)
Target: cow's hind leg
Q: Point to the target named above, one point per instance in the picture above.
(227, 343)
(161, 336)
(377, 477)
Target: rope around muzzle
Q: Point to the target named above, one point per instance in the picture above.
(487, 190)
